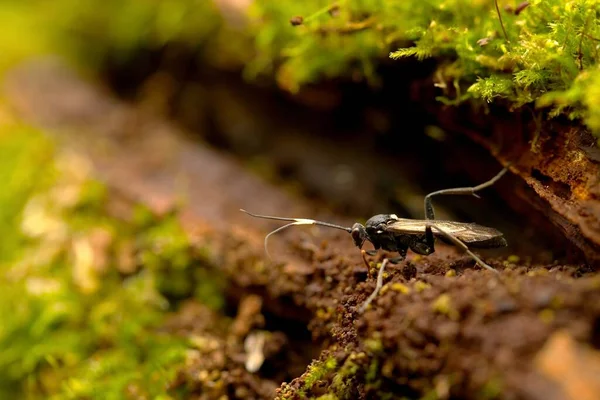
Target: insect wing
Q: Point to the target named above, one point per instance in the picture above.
(465, 232)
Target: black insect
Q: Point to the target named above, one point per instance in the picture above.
(388, 232)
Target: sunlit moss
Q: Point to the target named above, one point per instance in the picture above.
(492, 389)
(550, 51)
(548, 58)
(443, 305)
(76, 322)
(318, 370)
(343, 381)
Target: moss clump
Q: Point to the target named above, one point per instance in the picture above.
(79, 320)
(328, 396)
(543, 55)
(548, 53)
(443, 305)
(344, 380)
(317, 371)
(399, 287)
(421, 286)
(492, 389)
(374, 345)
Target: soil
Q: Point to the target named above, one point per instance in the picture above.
(440, 328)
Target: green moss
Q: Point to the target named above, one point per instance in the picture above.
(374, 345)
(77, 322)
(546, 52)
(547, 56)
(443, 305)
(328, 396)
(21, 34)
(493, 389)
(430, 395)
(24, 156)
(344, 380)
(372, 375)
(544, 56)
(552, 47)
(316, 371)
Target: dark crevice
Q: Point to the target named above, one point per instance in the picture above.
(561, 190)
(347, 146)
(595, 334)
(289, 325)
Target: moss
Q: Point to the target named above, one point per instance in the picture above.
(513, 259)
(547, 315)
(544, 55)
(24, 157)
(443, 305)
(21, 38)
(343, 381)
(372, 375)
(492, 389)
(328, 396)
(76, 323)
(341, 378)
(399, 287)
(550, 51)
(450, 273)
(421, 286)
(374, 345)
(316, 371)
(430, 395)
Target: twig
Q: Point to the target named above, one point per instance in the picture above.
(377, 287)
(580, 50)
(501, 22)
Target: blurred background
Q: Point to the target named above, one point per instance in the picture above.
(135, 88)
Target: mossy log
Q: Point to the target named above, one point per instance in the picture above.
(416, 339)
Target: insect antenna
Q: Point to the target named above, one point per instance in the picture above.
(295, 221)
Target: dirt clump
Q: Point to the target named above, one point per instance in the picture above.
(460, 334)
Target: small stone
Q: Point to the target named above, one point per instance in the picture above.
(573, 367)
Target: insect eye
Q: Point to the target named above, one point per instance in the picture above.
(358, 235)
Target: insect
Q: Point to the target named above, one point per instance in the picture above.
(390, 233)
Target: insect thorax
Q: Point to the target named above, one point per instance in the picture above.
(378, 222)
(382, 238)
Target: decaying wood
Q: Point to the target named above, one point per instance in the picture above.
(426, 319)
(552, 157)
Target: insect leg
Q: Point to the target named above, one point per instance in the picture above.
(425, 244)
(364, 306)
(463, 246)
(363, 253)
(397, 260)
(401, 256)
(429, 212)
